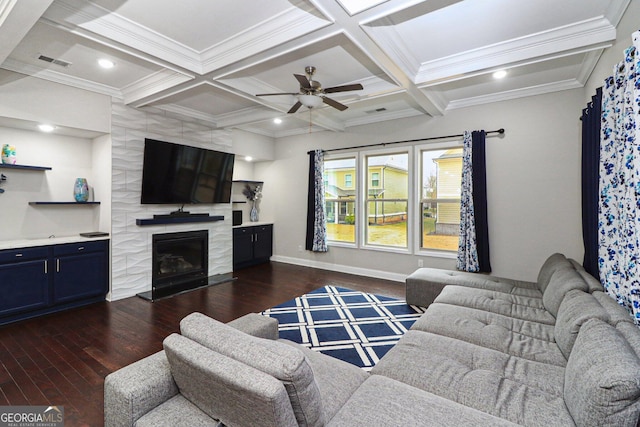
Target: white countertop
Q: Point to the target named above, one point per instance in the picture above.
(253, 224)
(27, 243)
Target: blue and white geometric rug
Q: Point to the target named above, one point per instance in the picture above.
(353, 326)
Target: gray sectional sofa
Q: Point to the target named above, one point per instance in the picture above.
(487, 351)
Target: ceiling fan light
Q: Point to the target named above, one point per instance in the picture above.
(310, 101)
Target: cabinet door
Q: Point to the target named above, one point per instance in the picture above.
(23, 286)
(263, 242)
(242, 245)
(79, 276)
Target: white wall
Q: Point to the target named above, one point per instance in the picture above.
(533, 175)
(69, 158)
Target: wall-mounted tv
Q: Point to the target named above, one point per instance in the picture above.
(180, 174)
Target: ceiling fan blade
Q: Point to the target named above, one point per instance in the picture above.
(344, 88)
(275, 94)
(295, 107)
(303, 80)
(334, 103)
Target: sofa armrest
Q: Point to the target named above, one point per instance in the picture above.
(257, 325)
(134, 390)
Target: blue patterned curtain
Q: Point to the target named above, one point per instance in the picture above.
(316, 217)
(619, 207)
(467, 252)
(473, 244)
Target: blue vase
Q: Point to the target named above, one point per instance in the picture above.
(253, 213)
(81, 190)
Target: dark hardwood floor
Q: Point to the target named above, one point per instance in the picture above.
(62, 359)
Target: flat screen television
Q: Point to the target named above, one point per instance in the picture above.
(180, 174)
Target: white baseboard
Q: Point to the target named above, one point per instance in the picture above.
(396, 277)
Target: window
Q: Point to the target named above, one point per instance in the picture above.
(340, 201)
(375, 179)
(401, 200)
(387, 200)
(441, 180)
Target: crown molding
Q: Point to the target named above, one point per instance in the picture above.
(514, 94)
(283, 27)
(393, 45)
(96, 19)
(152, 84)
(579, 35)
(616, 11)
(56, 77)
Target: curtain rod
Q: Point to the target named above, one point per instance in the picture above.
(499, 131)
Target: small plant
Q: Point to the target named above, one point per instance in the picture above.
(252, 194)
(350, 219)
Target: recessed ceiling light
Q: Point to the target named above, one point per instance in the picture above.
(500, 74)
(277, 120)
(46, 128)
(106, 63)
(248, 158)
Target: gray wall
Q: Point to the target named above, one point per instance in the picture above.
(533, 184)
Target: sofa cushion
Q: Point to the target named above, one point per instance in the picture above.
(562, 281)
(176, 412)
(286, 363)
(616, 312)
(527, 308)
(593, 283)
(516, 337)
(551, 264)
(225, 389)
(576, 308)
(425, 284)
(337, 380)
(519, 390)
(602, 378)
(381, 401)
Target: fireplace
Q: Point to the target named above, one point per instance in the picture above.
(180, 262)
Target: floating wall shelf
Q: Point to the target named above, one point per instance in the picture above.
(64, 203)
(25, 167)
(179, 220)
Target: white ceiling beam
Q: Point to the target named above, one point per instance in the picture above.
(353, 29)
(17, 17)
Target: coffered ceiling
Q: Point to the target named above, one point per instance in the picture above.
(208, 59)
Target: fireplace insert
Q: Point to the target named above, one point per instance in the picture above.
(180, 262)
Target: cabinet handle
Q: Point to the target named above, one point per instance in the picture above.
(58, 265)
(45, 267)
(18, 255)
(256, 237)
(81, 248)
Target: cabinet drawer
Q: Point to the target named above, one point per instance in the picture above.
(24, 254)
(80, 247)
(242, 231)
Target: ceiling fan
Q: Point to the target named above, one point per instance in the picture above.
(312, 94)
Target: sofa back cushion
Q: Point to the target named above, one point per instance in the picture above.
(286, 363)
(593, 283)
(602, 378)
(576, 308)
(616, 312)
(225, 389)
(562, 281)
(551, 264)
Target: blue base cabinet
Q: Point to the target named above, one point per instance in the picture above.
(41, 280)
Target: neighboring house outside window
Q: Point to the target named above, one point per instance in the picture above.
(340, 201)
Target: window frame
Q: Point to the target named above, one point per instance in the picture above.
(414, 197)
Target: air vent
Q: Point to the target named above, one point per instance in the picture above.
(377, 110)
(59, 62)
